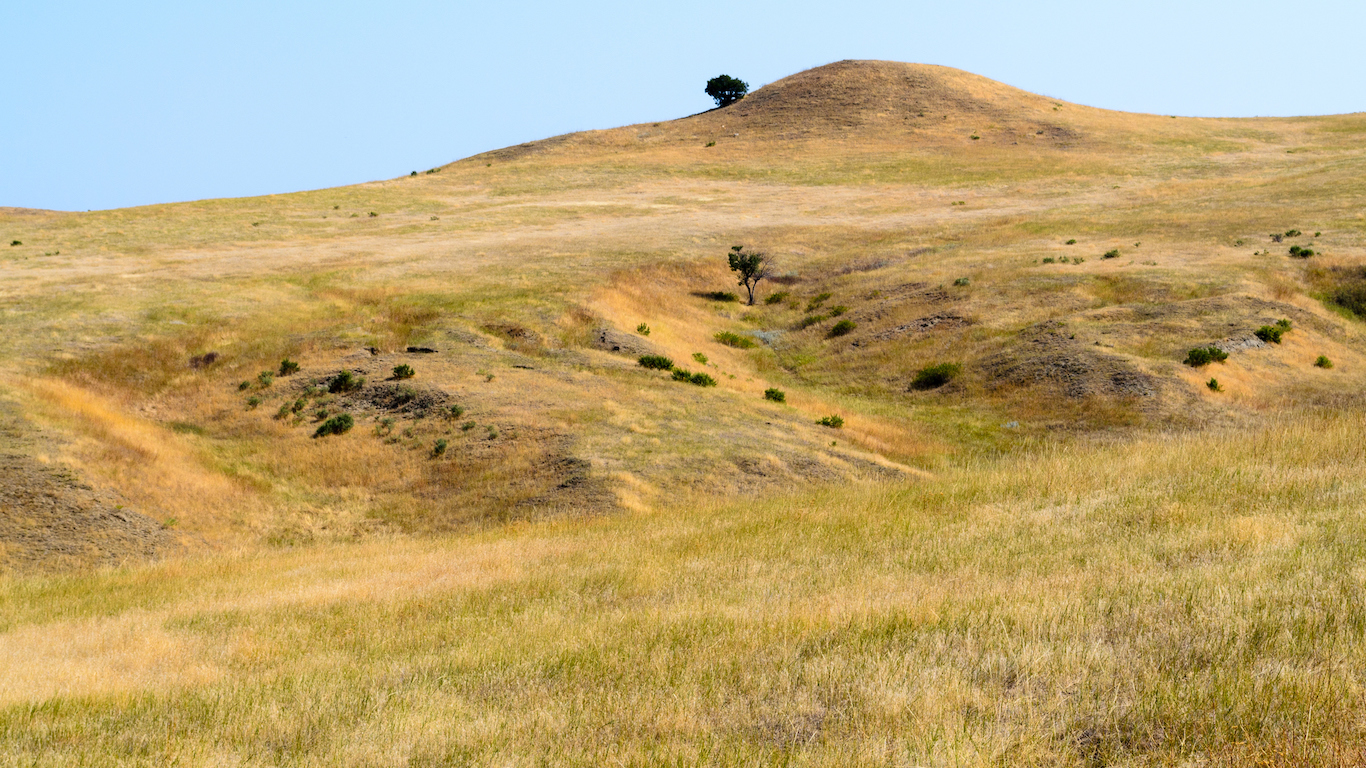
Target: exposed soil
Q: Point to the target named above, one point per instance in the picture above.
(50, 520)
(1047, 355)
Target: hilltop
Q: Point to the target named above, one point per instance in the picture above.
(1068, 549)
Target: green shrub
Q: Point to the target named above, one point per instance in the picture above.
(776, 395)
(336, 425)
(701, 380)
(1292, 233)
(253, 401)
(734, 340)
(817, 301)
(810, 320)
(14, 243)
(1323, 362)
(1072, 241)
(1270, 333)
(962, 281)
(656, 362)
(643, 329)
(345, 381)
(244, 385)
(699, 357)
(935, 376)
(681, 374)
(467, 426)
(837, 311)
(284, 411)
(1300, 253)
(404, 371)
(299, 405)
(1202, 356)
(1283, 324)
(777, 298)
(385, 427)
(834, 422)
(456, 411)
(288, 367)
(1077, 259)
(1213, 385)
(1112, 254)
(711, 144)
(842, 328)
(1049, 260)
(493, 432)
(438, 448)
(266, 378)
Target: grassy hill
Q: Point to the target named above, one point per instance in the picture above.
(1077, 550)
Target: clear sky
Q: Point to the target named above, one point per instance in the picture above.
(118, 104)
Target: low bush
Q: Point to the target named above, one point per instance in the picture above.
(810, 320)
(14, 243)
(1213, 385)
(837, 311)
(1292, 233)
(244, 385)
(337, 425)
(834, 422)
(385, 427)
(734, 340)
(962, 281)
(404, 371)
(1270, 333)
(699, 357)
(935, 376)
(842, 328)
(1202, 356)
(702, 380)
(1072, 241)
(719, 296)
(345, 381)
(1077, 259)
(656, 362)
(776, 395)
(288, 367)
(284, 411)
(681, 374)
(643, 329)
(1111, 254)
(777, 298)
(467, 426)
(455, 411)
(816, 301)
(438, 448)
(1283, 324)
(1049, 260)
(266, 378)
(1323, 362)
(252, 402)
(1297, 252)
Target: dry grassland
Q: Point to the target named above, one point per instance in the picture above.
(1075, 552)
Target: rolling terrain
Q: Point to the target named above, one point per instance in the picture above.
(1076, 549)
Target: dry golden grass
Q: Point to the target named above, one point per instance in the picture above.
(1180, 600)
(1047, 561)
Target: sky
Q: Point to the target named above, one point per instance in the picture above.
(111, 105)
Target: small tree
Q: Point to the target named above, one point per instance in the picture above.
(752, 267)
(726, 89)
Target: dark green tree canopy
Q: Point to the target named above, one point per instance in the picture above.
(752, 267)
(726, 89)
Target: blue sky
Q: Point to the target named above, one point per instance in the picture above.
(156, 102)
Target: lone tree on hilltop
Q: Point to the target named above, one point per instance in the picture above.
(752, 267)
(726, 89)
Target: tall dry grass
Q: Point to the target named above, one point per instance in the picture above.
(1185, 600)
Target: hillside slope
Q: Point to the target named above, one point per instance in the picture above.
(1062, 259)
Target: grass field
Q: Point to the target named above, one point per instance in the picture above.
(1076, 551)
